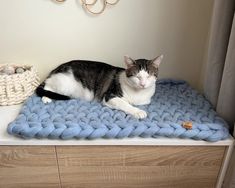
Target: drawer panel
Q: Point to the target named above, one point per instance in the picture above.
(139, 166)
(28, 166)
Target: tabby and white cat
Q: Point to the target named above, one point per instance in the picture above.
(115, 87)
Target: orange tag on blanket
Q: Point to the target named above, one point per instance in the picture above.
(187, 125)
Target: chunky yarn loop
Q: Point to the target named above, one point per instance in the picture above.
(173, 103)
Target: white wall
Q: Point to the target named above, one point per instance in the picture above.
(45, 34)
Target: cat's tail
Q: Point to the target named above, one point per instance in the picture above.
(41, 92)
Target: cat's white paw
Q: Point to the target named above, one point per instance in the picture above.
(46, 100)
(140, 114)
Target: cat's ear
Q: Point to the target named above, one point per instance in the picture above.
(128, 61)
(157, 61)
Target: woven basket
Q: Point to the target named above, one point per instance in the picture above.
(15, 88)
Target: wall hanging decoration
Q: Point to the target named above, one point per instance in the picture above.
(88, 5)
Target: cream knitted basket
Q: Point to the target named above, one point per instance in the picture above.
(15, 88)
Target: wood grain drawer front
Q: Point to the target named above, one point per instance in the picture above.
(139, 166)
(28, 166)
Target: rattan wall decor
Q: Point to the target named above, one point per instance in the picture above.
(88, 5)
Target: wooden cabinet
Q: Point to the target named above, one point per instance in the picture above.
(110, 166)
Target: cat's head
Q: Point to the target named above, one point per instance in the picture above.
(142, 73)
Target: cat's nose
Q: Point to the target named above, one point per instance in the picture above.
(142, 84)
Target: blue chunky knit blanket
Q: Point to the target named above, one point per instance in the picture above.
(174, 102)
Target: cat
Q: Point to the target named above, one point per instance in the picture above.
(115, 87)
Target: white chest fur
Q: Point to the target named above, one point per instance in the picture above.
(136, 96)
